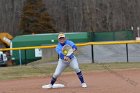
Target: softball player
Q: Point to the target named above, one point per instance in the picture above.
(62, 63)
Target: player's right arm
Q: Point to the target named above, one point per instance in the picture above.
(59, 51)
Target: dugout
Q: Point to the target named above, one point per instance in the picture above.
(26, 56)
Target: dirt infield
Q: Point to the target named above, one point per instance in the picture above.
(114, 81)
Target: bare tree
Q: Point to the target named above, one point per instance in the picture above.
(77, 15)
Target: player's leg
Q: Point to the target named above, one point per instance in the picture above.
(74, 64)
(59, 69)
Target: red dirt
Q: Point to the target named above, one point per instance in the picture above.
(118, 81)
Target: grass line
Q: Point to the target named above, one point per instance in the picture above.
(18, 72)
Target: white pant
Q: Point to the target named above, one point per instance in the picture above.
(62, 65)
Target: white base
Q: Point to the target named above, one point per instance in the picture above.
(137, 38)
(54, 86)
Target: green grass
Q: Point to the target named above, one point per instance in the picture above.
(18, 72)
(117, 65)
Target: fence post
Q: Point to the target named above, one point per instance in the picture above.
(25, 57)
(92, 53)
(20, 61)
(127, 52)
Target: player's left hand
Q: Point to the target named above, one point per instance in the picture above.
(67, 59)
(74, 50)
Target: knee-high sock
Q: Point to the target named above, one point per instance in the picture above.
(80, 76)
(53, 80)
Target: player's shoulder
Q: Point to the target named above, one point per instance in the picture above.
(59, 45)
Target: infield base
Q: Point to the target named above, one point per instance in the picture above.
(54, 86)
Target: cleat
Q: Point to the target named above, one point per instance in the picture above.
(84, 85)
(48, 86)
(53, 86)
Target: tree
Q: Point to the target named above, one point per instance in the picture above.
(35, 19)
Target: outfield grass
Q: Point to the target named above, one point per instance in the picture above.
(18, 72)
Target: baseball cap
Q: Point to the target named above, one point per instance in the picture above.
(61, 35)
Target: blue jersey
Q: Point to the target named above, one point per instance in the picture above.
(60, 46)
